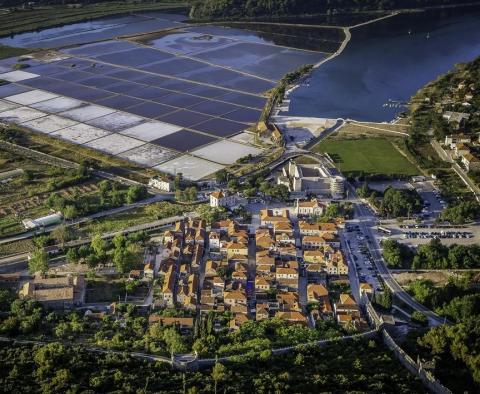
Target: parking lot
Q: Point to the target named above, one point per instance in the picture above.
(359, 255)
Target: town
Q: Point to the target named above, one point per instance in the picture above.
(262, 196)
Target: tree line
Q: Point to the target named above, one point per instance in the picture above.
(432, 255)
(237, 9)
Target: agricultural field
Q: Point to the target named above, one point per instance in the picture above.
(26, 187)
(369, 156)
(140, 215)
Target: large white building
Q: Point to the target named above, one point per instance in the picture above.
(321, 178)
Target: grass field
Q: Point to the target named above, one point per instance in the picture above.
(369, 155)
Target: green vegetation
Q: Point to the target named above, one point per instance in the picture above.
(254, 337)
(237, 9)
(39, 187)
(400, 203)
(384, 299)
(187, 195)
(38, 262)
(445, 94)
(433, 255)
(109, 195)
(277, 93)
(455, 351)
(397, 255)
(123, 251)
(393, 203)
(145, 214)
(360, 366)
(453, 348)
(256, 183)
(462, 212)
(369, 156)
(6, 51)
(457, 300)
(46, 14)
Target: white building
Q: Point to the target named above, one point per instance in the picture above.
(310, 208)
(321, 178)
(44, 221)
(165, 185)
(222, 199)
(457, 118)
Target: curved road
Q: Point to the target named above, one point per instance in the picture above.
(367, 221)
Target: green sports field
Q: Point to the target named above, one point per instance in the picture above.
(370, 156)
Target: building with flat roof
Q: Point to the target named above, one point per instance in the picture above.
(321, 179)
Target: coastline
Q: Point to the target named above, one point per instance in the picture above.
(338, 52)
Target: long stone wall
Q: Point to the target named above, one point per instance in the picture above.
(209, 362)
(426, 377)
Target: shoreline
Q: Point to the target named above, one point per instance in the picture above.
(338, 52)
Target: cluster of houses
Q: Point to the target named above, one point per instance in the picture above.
(460, 146)
(277, 269)
(227, 272)
(251, 273)
(184, 249)
(457, 110)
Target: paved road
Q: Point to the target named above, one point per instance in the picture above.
(366, 221)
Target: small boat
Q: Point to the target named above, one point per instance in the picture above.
(428, 35)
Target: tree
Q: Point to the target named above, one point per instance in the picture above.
(99, 245)
(219, 373)
(83, 169)
(72, 255)
(465, 211)
(221, 176)
(397, 255)
(136, 193)
(116, 197)
(62, 234)
(400, 202)
(174, 341)
(38, 262)
(123, 259)
(420, 318)
(384, 299)
(70, 211)
(333, 211)
(211, 214)
(119, 241)
(177, 182)
(6, 298)
(41, 240)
